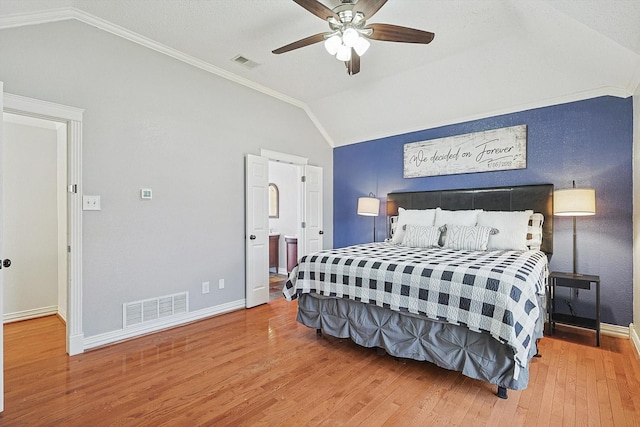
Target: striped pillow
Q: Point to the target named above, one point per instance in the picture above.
(467, 238)
(421, 236)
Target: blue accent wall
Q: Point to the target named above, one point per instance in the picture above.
(588, 141)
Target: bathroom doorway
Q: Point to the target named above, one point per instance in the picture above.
(284, 222)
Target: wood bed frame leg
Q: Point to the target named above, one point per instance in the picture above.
(319, 332)
(502, 393)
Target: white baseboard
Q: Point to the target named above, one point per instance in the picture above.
(75, 344)
(635, 337)
(29, 314)
(608, 329)
(283, 271)
(614, 330)
(137, 331)
(62, 314)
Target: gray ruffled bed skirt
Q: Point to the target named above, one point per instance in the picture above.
(454, 347)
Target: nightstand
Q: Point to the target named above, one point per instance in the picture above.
(575, 281)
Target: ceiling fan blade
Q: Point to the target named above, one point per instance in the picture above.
(318, 9)
(316, 38)
(353, 66)
(368, 7)
(396, 33)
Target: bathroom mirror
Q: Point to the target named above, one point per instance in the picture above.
(274, 201)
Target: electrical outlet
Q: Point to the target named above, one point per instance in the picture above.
(221, 284)
(205, 287)
(90, 203)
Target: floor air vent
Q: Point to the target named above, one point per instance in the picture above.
(137, 312)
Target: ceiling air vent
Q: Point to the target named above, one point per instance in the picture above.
(245, 62)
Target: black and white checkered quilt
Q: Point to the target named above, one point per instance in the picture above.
(487, 291)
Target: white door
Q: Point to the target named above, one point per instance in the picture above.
(1, 255)
(312, 230)
(257, 230)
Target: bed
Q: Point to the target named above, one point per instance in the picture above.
(479, 312)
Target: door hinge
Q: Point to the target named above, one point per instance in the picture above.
(303, 178)
(303, 225)
(73, 188)
(69, 249)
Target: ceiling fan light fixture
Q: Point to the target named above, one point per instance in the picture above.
(332, 44)
(361, 46)
(350, 37)
(344, 53)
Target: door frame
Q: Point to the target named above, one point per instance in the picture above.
(72, 116)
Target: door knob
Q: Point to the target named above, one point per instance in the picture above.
(6, 263)
(252, 237)
(320, 232)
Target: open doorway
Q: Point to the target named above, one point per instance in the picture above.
(310, 230)
(35, 217)
(71, 117)
(284, 222)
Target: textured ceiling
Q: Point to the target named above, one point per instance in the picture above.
(488, 57)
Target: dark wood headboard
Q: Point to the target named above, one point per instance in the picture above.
(538, 197)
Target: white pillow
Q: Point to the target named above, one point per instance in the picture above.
(421, 236)
(412, 216)
(513, 227)
(463, 217)
(467, 238)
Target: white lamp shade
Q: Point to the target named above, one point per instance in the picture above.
(332, 44)
(574, 202)
(350, 37)
(361, 46)
(368, 206)
(344, 53)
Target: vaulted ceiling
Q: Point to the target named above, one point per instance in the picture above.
(488, 56)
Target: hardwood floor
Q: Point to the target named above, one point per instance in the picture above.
(276, 283)
(260, 367)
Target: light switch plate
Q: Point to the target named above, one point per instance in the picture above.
(90, 203)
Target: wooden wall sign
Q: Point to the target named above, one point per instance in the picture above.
(490, 150)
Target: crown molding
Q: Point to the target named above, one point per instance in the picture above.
(69, 13)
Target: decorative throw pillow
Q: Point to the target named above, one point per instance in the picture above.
(467, 238)
(513, 228)
(421, 236)
(411, 216)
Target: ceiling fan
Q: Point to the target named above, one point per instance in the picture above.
(349, 37)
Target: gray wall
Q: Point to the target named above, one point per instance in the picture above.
(154, 122)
